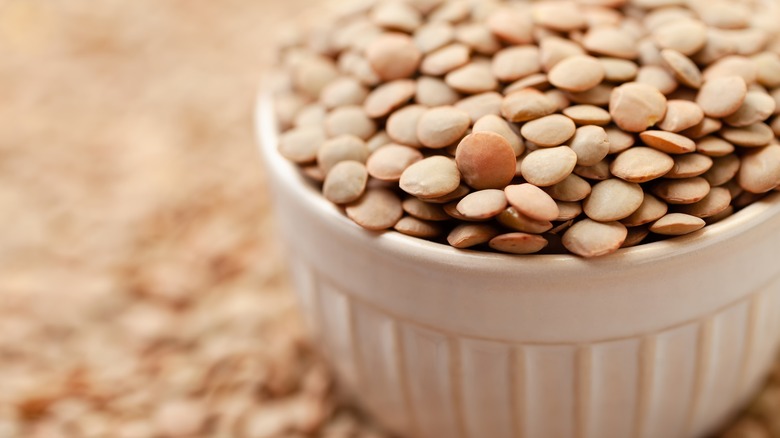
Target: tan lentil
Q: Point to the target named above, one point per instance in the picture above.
(518, 243)
(531, 201)
(548, 131)
(682, 191)
(412, 226)
(546, 167)
(668, 142)
(635, 107)
(650, 210)
(641, 164)
(430, 178)
(572, 188)
(388, 162)
(442, 126)
(612, 200)
(482, 204)
(587, 115)
(346, 182)
(588, 238)
(677, 224)
(377, 209)
(468, 235)
(424, 210)
(590, 143)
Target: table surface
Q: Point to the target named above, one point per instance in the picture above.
(141, 292)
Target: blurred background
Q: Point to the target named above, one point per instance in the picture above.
(141, 290)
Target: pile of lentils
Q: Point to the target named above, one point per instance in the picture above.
(554, 126)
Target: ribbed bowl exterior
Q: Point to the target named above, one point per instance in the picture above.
(665, 340)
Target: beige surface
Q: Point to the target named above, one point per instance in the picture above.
(140, 291)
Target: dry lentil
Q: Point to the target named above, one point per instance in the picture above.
(531, 201)
(468, 235)
(641, 164)
(547, 131)
(518, 243)
(341, 148)
(677, 224)
(612, 200)
(681, 115)
(635, 107)
(572, 188)
(588, 238)
(587, 115)
(430, 178)
(482, 204)
(442, 126)
(682, 191)
(388, 162)
(591, 144)
(526, 104)
(345, 182)
(377, 209)
(545, 167)
(424, 210)
(514, 63)
(650, 210)
(412, 226)
(513, 219)
(393, 56)
(486, 160)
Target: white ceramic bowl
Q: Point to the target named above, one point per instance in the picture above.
(667, 339)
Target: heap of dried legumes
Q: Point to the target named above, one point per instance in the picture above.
(552, 126)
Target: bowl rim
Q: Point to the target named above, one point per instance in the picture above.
(266, 132)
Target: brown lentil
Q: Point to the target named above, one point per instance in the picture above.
(486, 160)
(518, 243)
(468, 235)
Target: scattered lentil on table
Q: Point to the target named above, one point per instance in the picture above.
(516, 126)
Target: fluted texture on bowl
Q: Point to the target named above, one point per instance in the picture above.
(675, 382)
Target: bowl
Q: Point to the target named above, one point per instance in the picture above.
(667, 339)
